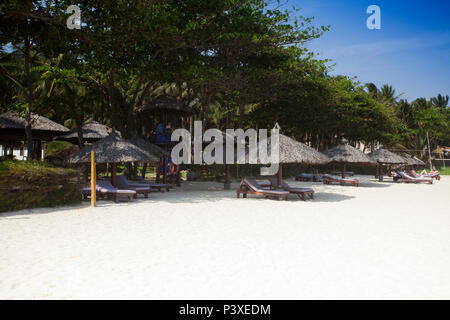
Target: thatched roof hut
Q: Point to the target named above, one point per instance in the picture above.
(12, 120)
(412, 161)
(92, 131)
(12, 130)
(345, 153)
(12, 127)
(291, 151)
(383, 156)
(113, 149)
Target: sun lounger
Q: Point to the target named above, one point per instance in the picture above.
(309, 177)
(347, 173)
(158, 186)
(86, 192)
(250, 186)
(406, 178)
(434, 175)
(106, 188)
(302, 193)
(329, 179)
(122, 183)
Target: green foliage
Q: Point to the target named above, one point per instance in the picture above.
(56, 147)
(34, 184)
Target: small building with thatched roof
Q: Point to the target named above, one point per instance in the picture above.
(92, 131)
(383, 156)
(12, 130)
(345, 153)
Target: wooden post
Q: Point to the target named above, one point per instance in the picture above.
(113, 173)
(227, 184)
(429, 152)
(380, 174)
(135, 170)
(144, 170)
(93, 181)
(343, 170)
(280, 174)
(165, 170)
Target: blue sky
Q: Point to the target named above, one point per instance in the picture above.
(411, 51)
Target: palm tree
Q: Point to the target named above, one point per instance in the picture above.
(440, 101)
(372, 90)
(387, 94)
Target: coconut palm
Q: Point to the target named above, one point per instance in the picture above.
(440, 101)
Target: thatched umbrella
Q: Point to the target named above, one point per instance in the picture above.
(91, 130)
(292, 151)
(412, 161)
(113, 149)
(383, 156)
(418, 162)
(148, 146)
(345, 153)
(153, 149)
(12, 129)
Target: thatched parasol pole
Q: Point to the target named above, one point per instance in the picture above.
(343, 170)
(144, 170)
(227, 184)
(280, 174)
(113, 173)
(93, 181)
(380, 172)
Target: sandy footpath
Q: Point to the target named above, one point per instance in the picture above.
(380, 240)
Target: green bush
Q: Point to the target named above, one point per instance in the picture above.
(34, 184)
(57, 152)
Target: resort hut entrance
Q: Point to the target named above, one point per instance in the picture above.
(345, 153)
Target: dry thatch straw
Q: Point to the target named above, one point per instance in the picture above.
(412, 161)
(386, 156)
(12, 120)
(418, 161)
(150, 147)
(113, 149)
(345, 153)
(292, 151)
(92, 130)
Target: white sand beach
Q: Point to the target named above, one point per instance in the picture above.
(377, 241)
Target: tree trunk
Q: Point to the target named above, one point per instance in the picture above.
(29, 90)
(241, 115)
(79, 124)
